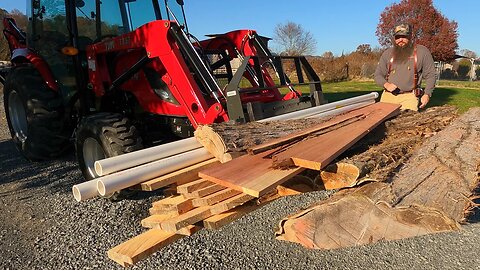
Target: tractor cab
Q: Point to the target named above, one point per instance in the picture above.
(53, 31)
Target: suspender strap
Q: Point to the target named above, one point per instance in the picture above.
(415, 71)
(389, 67)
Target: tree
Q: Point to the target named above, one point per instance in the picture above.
(463, 69)
(364, 48)
(430, 27)
(328, 55)
(468, 54)
(294, 40)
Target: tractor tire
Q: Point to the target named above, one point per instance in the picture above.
(104, 135)
(35, 115)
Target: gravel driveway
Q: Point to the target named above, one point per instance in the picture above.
(43, 227)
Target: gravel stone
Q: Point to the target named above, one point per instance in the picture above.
(43, 227)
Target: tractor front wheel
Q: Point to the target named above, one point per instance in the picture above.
(34, 115)
(104, 135)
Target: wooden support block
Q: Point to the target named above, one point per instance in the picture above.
(194, 185)
(177, 204)
(189, 218)
(230, 203)
(155, 211)
(154, 221)
(189, 230)
(180, 177)
(141, 246)
(219, 220)
(215, 197)
(204, 191)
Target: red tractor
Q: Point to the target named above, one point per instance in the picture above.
(115, 76)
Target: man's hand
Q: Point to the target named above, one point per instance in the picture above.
(390, 87)
(424, 101)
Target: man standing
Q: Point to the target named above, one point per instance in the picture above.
(401, 70)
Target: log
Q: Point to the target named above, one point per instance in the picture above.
(235, 139)
(337, 122)
(339, 175)
(446, 169)
(431, 193)
(317, 152)
(356, 219)
(388, 147)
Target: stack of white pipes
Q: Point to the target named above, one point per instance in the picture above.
(120, 172)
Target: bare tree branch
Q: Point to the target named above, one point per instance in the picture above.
(294, 40)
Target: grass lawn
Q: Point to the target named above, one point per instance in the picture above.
(462, 94)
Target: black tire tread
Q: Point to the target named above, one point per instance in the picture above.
(47, 135)
(114, 131)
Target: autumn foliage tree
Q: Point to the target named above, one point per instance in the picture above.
(430, 27)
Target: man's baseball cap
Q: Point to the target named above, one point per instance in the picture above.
(402, 30)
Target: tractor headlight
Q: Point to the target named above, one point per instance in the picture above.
(165, 94)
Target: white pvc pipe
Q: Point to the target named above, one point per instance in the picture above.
(322, 108)
(85, 190)
(337, 110)
(124, 179)
(342, 109)
(125, 161)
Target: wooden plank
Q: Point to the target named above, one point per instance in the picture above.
(315, 153)
(252, 175)
(204, 191)
(198, 214)
(182, 176)
(177, 204)
(215, 197)
(230, 203)
(141, 246)
(189, 230)
(155, 211)
(219, 220)
(194, 185)
(154, 222)
(189, 218)
(337, 122)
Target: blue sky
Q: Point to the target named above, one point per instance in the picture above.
(338, 26)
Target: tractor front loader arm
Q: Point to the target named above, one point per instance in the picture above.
(160, 46)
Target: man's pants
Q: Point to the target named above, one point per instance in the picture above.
(407, 100)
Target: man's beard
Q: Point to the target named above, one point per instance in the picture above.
(402, 54)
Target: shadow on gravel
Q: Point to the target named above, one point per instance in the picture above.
(22, 178)
(19, 175)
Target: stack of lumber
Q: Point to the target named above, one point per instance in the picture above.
(218, 197)
(199, 204)
(271, 164)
